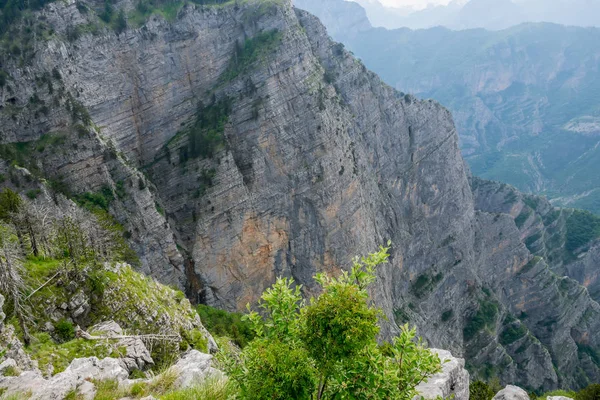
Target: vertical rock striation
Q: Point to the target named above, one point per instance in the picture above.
(242, 144)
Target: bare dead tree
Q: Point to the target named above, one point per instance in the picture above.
(11, 280)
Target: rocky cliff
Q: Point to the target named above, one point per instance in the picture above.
(524, 98)
(237, 143)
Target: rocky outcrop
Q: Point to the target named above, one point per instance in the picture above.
(452, 382)
(81, 374)
(136, 356)
(12, 348)
(310, 161)
(194, 367)
(76, 376)
(511, 393)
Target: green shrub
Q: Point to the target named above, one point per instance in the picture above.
(592, 392)
(3, 78)
(512, 333)
(446, 315)
(479, 390)
(65, 330)
(221, 323)
(327, 348)
(484, 317)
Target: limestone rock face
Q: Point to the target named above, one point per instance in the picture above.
(79, 372)
(12, 347)
(2, 315)
(136, 357)
(9, 363)
(194, 367)
(319, 161)
(511, 393)
(452, 381)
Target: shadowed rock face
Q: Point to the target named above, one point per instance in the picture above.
(319, 161)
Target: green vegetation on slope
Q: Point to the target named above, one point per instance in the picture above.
(255, 49)
(484, 317)
(582, 227)
(221, 323)
(77, 255)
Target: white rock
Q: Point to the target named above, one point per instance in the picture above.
(75, 377)
(194, 367)
(511, 392)
(9, 363)
(559, 398)
(453, 380)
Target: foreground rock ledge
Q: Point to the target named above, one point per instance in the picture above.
(452, 381)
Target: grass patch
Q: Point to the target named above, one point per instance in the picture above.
(211, 388)
(59, 356)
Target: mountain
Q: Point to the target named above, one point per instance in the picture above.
(236, 143)
(525, 99)
(488, 14)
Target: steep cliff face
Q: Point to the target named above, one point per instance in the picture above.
(272, 151)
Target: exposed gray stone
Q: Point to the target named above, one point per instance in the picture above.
(75, 376)
(194, 367)
(136, 356)
(321, 162)
(6, 364)
(511, 392)
(452, 381)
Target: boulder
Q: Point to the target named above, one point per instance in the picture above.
(452, 380)
(558, 398)
(14, 348)
(136, 355)
(194, 367)
(511, 393)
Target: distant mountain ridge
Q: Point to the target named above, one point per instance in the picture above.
(488, 14)
(526, 100)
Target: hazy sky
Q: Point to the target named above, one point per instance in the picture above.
(414, 3)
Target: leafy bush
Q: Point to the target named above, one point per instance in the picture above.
(65, 330)
(592, 392)
(327, 348)
(225, 324)
(479, 390)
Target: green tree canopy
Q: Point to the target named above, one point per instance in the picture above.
(327, 348)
